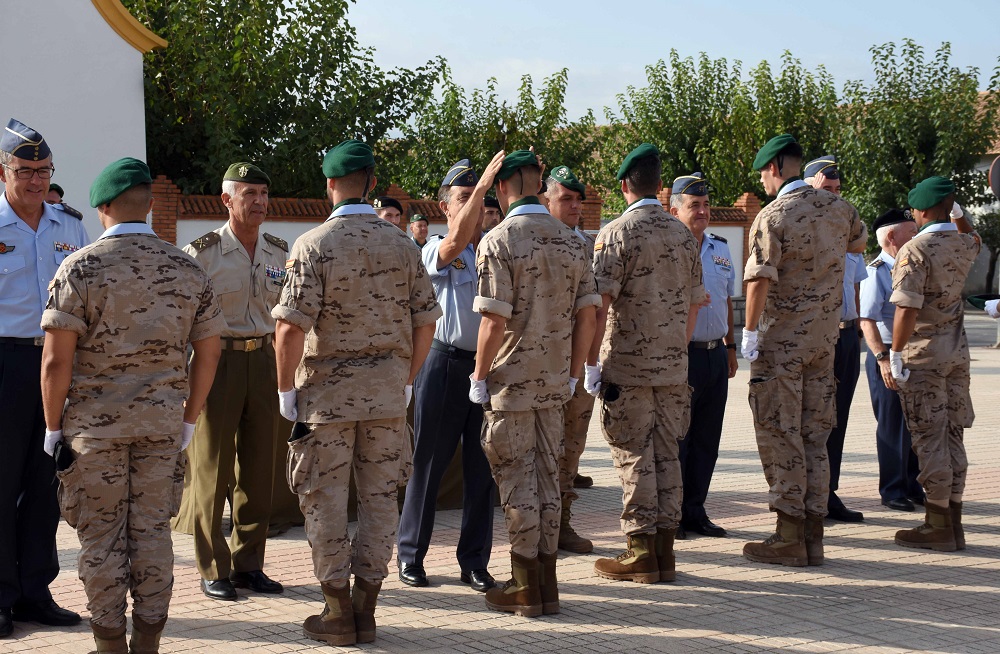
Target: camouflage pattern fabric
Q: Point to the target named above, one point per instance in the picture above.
(576, 421)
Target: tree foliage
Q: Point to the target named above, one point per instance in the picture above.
(269, 81)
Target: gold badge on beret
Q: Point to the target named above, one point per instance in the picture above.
(243, 171)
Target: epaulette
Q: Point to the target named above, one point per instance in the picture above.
(68, 210)
(434, 236)
(718, 238)
(205, 241)
(876, 263)
(274, 240)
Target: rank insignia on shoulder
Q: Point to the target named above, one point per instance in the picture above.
(598, 247)
(65, 247)
(274, 272)
(458, 264)
(205, 241)
(718, 238)
(4, 248)
(289, 264)
(877, 263)
(722, 261)
(280, 242)
(68, 210)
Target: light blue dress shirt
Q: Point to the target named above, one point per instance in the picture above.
(28, 262)
(456, 286)
(854, 273)
(719, 278)
(875, 292)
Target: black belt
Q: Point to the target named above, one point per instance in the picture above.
(37, 341)
(246, 344)
(848, 324)
(707, 345)
(456, 352)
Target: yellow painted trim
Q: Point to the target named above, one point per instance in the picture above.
(124, 23)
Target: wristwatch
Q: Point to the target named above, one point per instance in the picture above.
(884, 354)
(730, 346)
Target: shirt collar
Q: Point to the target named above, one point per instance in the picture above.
(889, 259)
(791, 185)
(526, 205)
(643, 202)
(127, 228)
(937, 226)
(9, 217)
(351, 208)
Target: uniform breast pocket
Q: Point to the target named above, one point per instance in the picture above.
(13, 276)
(230, 296)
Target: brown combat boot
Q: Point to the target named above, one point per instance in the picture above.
(814, 539)
(637, 563)
(786, 546)
(937, 532)
(109, 641)
(569, 540)
(664, 546)
(335, 625)
(521, 595)
(956, 524)
(547, 583)
(363, 599)
(146, 636)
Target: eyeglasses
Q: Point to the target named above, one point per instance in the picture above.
(27, 173)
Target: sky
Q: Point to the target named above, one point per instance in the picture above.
(606, 45)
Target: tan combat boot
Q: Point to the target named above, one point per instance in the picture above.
(956, 524)
(814, 539)
(665, 553)
(335, 625)
(364, 599)
(937, 532)
(109, 641)
(146, 635)
(569, 540)
(547, 583)
(786, 546)
(637, 563)
(521, 595)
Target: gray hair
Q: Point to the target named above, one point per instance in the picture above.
(677, 200)
(5, 158)
(444, 194)
(882, 234)
(229, 187)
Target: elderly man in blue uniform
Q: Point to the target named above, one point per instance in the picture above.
(443, 414)
(823, 173)
(897, 462)
(34, 239)
(711, 356)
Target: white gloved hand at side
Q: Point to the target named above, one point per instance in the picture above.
(408, 391)
(51, 438)
(287, 404)
(592, 379)
(477, 391)
(899, 373)
(187, 432)
(573, 381)
(992, 308)
(749, 347)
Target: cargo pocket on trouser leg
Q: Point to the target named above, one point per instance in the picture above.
(70, 493)
(626, 416)
(177, 489)
(765, 405)
(502, 440)
(300, 468)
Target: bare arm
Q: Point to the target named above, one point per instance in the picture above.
(422, 337)
(201, 376)
(756, 298)
(584, 327)
(491, 330)
(964, 226)
(902, 327)
(462, 227)
(57, 374)
(600, 327)
(289, 344)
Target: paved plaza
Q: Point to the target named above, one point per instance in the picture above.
(870, 596)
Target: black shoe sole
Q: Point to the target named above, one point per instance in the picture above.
(415, 583)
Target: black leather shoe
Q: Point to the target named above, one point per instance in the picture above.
(680, 533)
(583, 481)
(898, 504)
(918, 500)
(47, 613)
(480, 580)
(220, 589)
(256, 581)
(705, 527)
(837, 511)
(6, 623)
(412, 574)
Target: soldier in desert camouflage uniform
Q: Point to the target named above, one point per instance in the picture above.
(126, 307)
(928, 338)
(355, 322)
(794, 274)
(648, 270)
(536, 288)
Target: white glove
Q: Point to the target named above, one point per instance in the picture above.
(992, 308)
(899, 373)
(51, 438)
(749, 348)
(956, 211)
(287, 404)
(573, 381)
(187, 431)
(477, 391)
(592, 379)
(408, 391)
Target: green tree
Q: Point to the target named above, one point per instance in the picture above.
(286, 82)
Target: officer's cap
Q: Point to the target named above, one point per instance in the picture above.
(514, 160)
(23, 142)
(385, 202)
(461, 174)
(347, 157)
(827, 165)
(892, 217)
(930, 192)
(117, 178)
(781, 144)
(565, 177)
(246, 172)
(693, 184)
(641, 152)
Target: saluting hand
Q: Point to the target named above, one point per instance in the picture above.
(486, 181)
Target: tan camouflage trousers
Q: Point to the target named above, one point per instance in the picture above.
(938, 410)
(120, 494)
(319, 472)
(524, 449)
(576, 420)
(792, 401)
(643, 425)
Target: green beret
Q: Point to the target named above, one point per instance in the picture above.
(246, 172)
(930, 192)
(979, 301)
(514, 160)
(565, 176)
(346, 158)
(772, 149)
(417, 218)
(117, 178)
(644, 150)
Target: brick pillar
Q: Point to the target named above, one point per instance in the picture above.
(590, 218)
(750, 205)
(166, 206)
(664, 197)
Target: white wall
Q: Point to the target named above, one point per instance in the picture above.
(70, 76)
